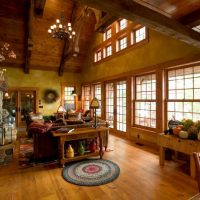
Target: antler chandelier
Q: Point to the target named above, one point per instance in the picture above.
(60, 30)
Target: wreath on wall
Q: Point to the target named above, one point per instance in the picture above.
(50, 96)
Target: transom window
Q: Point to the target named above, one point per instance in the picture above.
(145, 103)
(122, 24)
(140, 34)
(120, 35)
(107, 34)
(121, 44)
(108, 50)
(183, 95)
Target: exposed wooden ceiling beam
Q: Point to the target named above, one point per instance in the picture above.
(134, 11)
(39, 7)
(191, 19)
(67, 50)
(104, 22)
(29, 39)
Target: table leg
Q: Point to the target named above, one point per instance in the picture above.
(100, 145)
(61, 151)
(162, 156)
(192, 167)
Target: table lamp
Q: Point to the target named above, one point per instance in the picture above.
(95, 105)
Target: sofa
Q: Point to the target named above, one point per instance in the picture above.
(46, 146)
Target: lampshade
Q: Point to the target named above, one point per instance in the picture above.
(95, 103)
(61, 109)
(74, 93)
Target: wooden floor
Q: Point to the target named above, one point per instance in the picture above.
(141, 178)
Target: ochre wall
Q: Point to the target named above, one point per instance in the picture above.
(159, 49)
(42, 80)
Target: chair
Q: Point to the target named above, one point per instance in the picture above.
(196, 156)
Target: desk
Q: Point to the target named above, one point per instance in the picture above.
(180, 145)
(78, 134)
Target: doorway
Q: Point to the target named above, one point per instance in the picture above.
(115, 100)
(19, 102)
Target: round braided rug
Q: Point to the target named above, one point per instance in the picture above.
(91, 172)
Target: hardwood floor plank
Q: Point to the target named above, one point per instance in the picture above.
(141, 177)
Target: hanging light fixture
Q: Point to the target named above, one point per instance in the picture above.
(61, 30)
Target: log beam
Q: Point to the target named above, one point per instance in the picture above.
(192, 19)
(104, 22)
(29, 38)
(39, 7)
(134, 11)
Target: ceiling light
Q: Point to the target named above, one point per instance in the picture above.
(61, 29)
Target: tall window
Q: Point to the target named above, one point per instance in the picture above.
(121, 106)
(69, 100)
(183, 96)
(86, 97)
(110, 104)
(145, 103)
(97, 94)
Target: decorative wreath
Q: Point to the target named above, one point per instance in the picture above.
(50, 95)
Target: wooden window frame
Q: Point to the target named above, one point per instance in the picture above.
(130, 29)
(135, 100)
(84, 96)
(177, 100)
(63, 94)
(94, 95)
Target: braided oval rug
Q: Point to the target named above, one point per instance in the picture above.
(91, 172)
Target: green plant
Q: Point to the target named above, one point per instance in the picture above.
(197, 125)
(187, 124)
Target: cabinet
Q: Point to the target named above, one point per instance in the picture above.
(79, 134)
(180, 145)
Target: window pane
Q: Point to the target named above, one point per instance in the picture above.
(140, 34)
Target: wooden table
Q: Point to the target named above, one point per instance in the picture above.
(180, 145)
(79, 134)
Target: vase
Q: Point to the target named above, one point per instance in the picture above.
(81, 149)
(92, 146)
(70, 152)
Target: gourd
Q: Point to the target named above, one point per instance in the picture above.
(183, 134)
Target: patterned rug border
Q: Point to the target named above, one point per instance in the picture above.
(82, 183)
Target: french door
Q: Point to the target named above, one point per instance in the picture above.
(115, 100)
(18, 103)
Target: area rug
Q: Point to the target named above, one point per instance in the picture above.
(25, 152)
(91, 172)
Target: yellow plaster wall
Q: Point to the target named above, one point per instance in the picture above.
(159, 49)
(42, 80)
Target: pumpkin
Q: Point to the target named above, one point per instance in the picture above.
(176, 130)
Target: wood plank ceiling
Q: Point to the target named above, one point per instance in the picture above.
(24, 25)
